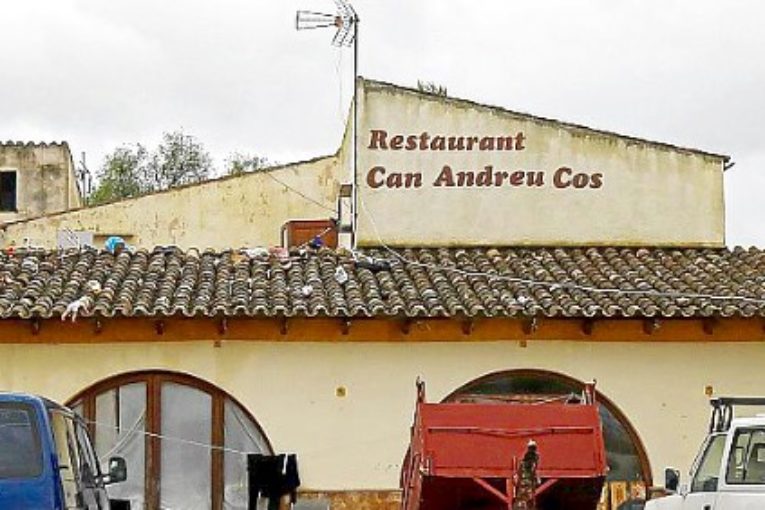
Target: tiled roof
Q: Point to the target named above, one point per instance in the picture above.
(168, 281)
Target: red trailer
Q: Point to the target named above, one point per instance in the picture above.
(525, 452)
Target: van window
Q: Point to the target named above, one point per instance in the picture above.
(20, 454)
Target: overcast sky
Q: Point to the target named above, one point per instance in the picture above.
(236, 74)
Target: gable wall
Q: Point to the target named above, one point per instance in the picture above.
(247, 210)
(545, 183)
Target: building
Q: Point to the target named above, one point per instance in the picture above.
(36, 179)
(253, 207)
(498, 253)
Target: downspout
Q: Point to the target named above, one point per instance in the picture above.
(68, 179)
(728, 163)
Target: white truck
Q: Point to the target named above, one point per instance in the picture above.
(729, 471)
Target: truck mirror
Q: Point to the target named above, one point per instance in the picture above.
(671, 479)
(117, 470)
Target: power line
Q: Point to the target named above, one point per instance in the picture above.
(525, 281)
(552, 285)
(300, 193)
(134, 431)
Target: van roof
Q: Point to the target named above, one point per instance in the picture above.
(30, 399)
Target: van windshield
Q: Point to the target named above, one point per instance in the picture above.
(20, 455)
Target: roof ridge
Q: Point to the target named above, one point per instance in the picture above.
(366, 249)
(547, 120)
(21, 143)
(172, 248)
(217, 179)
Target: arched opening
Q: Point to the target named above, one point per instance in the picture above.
(163, 423)
(629, 469)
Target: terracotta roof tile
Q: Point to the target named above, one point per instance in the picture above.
(455, 282)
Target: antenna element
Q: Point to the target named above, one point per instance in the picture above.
(345, 20)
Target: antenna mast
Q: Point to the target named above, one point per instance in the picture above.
(346, 20)
(84, 177)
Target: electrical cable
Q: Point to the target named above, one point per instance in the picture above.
(164, 437)
(123, 437)
(368, 441)
(300, 193)
(525, 281)
(338, 76)
(551, 285)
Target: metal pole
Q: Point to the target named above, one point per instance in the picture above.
(355, 128)
(347, 22)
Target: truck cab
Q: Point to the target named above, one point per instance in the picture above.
(47, 460)
(729, 471)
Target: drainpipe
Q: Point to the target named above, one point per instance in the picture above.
(68, 177)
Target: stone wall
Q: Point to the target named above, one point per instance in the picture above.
(45, 179)
(356, 500)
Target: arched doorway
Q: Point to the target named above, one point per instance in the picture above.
(629, 470)
(183, 439)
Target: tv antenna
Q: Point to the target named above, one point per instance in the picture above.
(84, 177)
(346, 20)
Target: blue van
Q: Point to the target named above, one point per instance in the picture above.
(47, 461)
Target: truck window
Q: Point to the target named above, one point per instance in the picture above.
(89, 464)
(68, 463)
(20, 453)
(746, 464)
(708, 469)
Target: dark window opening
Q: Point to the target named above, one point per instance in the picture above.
(8, 191)
(20, 453)
(626, 457)
(629, 473)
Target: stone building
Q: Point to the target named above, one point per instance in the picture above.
(496, 253)
(36, 179)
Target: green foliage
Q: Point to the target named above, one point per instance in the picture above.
(180, 159)
(239, 163)
(120, 175)
(430, 87)
(130, 171)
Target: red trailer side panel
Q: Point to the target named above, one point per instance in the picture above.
(468, 455)
(483, 439)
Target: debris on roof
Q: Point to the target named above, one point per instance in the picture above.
(434, 282)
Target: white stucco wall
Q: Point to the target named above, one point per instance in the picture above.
(632, 192)
(357, 441)
(246, 210)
